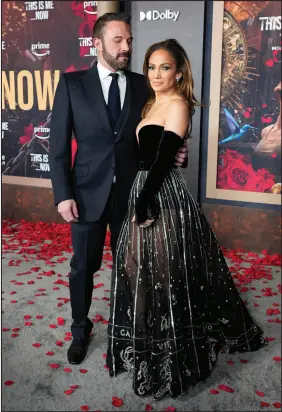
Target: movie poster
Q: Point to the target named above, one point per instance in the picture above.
(249, 143)
(40, 40)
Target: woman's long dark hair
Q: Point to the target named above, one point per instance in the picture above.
(186, 83)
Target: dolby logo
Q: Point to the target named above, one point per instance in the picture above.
(157, 15)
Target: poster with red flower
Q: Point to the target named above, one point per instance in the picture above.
(249, 141)
(40, 40)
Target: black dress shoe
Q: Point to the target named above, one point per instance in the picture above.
(77, 351)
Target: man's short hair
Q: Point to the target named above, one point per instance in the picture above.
(106, 18)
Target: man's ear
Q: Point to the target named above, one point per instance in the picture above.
(97, 43)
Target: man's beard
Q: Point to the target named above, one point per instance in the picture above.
(114, 62)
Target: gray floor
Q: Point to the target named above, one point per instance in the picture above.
(39, 387)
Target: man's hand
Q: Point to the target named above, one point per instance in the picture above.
(181, 155)
(68, 210)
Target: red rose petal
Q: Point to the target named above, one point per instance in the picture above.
(73, 386)
(244, 361)
(277, 405)
(269, 339)
(264, 404)
(35, 269)
(230, 362)
(39, 316)
(61, 321)
(170, 409)
(277, 358)
(28, 323)
(9, 383)
(36, 345)
(83, 370)
(67, 370)
(85, 408)
(214, 392)
(117, 402)
(53, 326)
(225, 388)
(27, 317)
(69, 391)
(259, 393)
(50, 353)
(148, 407)
(99, 285)
(54, 365)
(59, 343)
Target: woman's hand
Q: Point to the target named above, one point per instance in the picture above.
(147, 223)
(181, 156)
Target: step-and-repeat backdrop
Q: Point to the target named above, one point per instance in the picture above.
(40, 40)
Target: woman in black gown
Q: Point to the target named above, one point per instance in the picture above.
(174, 305)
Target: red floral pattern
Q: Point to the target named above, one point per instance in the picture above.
(234, 173)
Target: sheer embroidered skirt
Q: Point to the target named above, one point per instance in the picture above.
(174, 305)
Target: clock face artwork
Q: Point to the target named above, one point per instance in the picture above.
(249, 141)
(234, 58)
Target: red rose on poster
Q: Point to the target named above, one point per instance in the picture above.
(77, 7)
(266, 119)
(247, 114)
(269, 62)
(276, 57)
(267, 180)
(235, 174)
(28, 132)
(241, 176)
(233, 155)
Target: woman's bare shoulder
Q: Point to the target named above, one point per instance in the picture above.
(177, 117)
(178, 103)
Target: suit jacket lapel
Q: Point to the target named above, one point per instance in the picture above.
(94, 93)
(125, 109)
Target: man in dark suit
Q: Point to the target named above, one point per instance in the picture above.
(102, 106)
